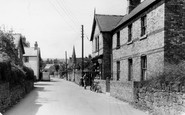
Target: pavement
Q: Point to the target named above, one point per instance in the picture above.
(61, 97)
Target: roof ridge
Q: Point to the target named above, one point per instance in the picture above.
(110, 15)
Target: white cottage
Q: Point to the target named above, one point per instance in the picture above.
(31, 59)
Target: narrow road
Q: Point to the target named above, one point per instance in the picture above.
(60, 97)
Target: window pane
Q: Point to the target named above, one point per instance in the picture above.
(118, 70)
(118, 39)
(130, 69)
(130, 33)
(143, 25)
(143, 67)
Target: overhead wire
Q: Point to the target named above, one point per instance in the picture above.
(70, 15)
(58, 11)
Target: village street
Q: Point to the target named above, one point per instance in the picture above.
(61, 97)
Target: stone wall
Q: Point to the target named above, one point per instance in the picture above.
(9, 97)
(122, 90)
(167, 100)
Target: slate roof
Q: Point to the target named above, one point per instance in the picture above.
(30, 51)
(135, 11)
(48, 66)
(106, 23)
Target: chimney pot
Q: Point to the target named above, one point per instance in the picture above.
(132, 4)
(36, 45)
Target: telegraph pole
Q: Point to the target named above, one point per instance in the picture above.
(66, 65)
(82, 50)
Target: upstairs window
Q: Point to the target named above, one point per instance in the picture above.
(130, 33)
(143, 25)
(118, 40)
(97, 43)
(143, 67)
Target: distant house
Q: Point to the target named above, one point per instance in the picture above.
(101, 38)
(31, 59)
(19, 46)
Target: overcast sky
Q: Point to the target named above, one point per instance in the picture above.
(56, 24)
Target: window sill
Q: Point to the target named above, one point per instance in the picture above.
(143, 37)
(118, 47)
(130, 42)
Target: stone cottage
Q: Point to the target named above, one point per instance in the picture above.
(31, 59)
(101, 38)
(148, 38)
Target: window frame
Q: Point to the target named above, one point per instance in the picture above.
(129, 33)
(118, 71)
(130, 69)
(97, 43)
(143, 25)
(143, 67)
(118, 40)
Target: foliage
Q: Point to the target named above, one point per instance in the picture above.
(56, 67)
(17, 76)
(10, 65)
(7, 47)
(172, 74)
(5, 68)
(29, 73)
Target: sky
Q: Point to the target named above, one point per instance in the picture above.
(56, 24)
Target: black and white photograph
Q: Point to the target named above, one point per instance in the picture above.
(92, 57)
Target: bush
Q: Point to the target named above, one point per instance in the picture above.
(18, 76)
(172, 74)
(29, 73)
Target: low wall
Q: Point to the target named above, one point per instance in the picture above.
(169, 100)
(122, 90)
(9, 97)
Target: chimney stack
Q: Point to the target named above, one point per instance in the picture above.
(132, 4)
(36, 46)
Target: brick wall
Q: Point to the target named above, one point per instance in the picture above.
(174, 31)
(106, 65)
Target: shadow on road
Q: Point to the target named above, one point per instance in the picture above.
(30, 104)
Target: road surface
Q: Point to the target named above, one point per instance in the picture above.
(60, 97)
